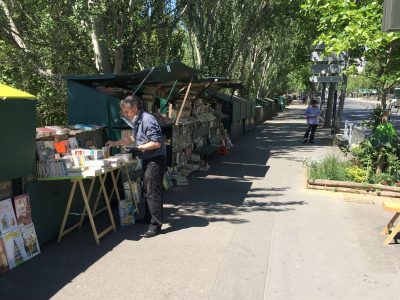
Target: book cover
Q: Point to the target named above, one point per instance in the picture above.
(23, 209)
(126, 212)
(15, 250)
(8, 221)
(127, 191)
(73, 143)
(136, 191)
(61, 146)
(3, 258)
(167, 181)
(31, 243)
(45, 150)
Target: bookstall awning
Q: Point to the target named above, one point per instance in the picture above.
(228, 98)
(263, 102)
(7, 92)
(164, 74)
(160, 74)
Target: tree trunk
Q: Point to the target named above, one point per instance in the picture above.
(13, 28)
(17, 39)
(101, 54)
(192, 48)
(384, 97)
(196, 50)
(334, 104)
(342, 97)
(119, 52)
(329, 106)
(321, 104)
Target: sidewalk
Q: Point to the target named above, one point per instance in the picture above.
(366, 100)
(246, 229)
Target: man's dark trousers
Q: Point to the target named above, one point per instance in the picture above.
(311, 128)
(153, 175)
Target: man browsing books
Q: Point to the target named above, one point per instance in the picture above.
(150, 147)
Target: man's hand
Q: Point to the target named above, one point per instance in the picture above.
(111, 144)
(132, 149)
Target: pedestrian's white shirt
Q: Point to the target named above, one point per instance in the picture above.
(312, 115)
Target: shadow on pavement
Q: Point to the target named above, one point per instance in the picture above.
(222, 194)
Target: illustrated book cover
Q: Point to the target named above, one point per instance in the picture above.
(126, 212)
(31, 243)
(137, 191)
(23, 209)
(15, 250)
(73, 143)
(8, 221)
(45, 150)
(61, 146)
(3, 258)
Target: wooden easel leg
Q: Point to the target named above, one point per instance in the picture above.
(390, 224)
(102, 180)
(392, 234)
(95, 212)
(85, 200)
(88, 197)
(115, 186)
(71, 196)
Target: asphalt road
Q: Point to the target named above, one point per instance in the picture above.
(358, 110)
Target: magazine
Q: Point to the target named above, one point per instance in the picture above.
(31, 243)
(8, 221)
(23, 209)
(15, 249)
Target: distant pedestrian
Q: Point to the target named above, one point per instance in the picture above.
(304, 98)
(312, 113)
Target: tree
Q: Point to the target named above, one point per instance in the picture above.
(354, 26)
(40, 41)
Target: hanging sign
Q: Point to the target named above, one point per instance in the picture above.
(326, 69)
(326, 79)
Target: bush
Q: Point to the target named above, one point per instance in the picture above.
(383, 178)
(330, 167)
(357, 174)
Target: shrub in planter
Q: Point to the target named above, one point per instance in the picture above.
(357, 174)
(330, 167)
(382, 178)
(379, 154)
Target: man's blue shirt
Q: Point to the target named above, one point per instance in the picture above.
(146, 129)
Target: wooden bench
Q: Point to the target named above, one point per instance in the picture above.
(391, 230)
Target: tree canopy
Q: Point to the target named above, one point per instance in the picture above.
(264, 43)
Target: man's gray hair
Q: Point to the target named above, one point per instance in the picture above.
(132, 101)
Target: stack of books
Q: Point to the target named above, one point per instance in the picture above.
(51, 168)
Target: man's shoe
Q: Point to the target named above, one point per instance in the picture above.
(311, 142)
(305, 141)
(151, 233)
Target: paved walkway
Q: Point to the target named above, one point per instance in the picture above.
(245, 229)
